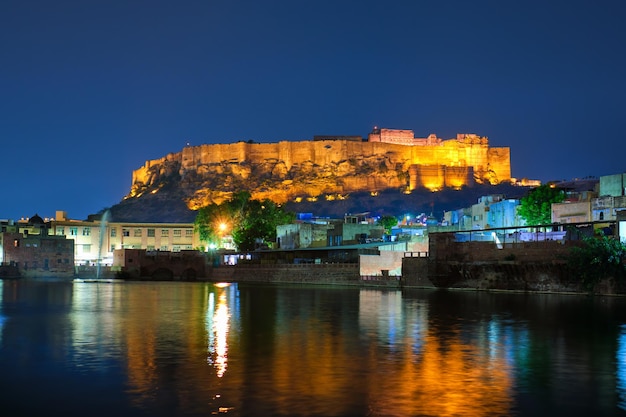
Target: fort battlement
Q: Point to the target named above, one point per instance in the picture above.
(283, 170)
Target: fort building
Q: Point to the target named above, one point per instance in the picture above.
(327, 165)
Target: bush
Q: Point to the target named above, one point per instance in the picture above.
(598, 258)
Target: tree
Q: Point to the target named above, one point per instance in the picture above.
(388, 222)
(250, 221)
(536, 207)
(598, 258)
(212, 222)
(258, 224)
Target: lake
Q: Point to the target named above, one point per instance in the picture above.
(199, 349)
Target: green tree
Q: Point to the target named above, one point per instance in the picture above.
(388, 222)
(536, 207)
(598, 258)
(248, 221)
(258, 224)
(212, 222)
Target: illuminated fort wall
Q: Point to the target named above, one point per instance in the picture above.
(440, 163)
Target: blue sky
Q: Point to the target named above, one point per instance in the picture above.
(90, 90)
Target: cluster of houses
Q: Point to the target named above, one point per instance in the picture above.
(598, 202)
(62, 246)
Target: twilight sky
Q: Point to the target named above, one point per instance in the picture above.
(90, 90)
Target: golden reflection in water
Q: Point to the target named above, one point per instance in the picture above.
(217, 322)
(438, 371)
(141, 345)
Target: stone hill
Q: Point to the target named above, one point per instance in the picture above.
(326, 169)
(169, 204)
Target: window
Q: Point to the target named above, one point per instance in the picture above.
(177, 233)
(86, 248)
(60, 231)
(176, 248)
(86, 231)
(165, 232)
(189, 233)
(73, 231)
(164, 248)
(125, 232)
(150, 232)
(137, 233)
(114, 232)
(112, 248)
(150, 247)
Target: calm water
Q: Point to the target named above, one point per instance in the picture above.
(182, 349)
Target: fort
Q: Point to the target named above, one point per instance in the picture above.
(326, 166)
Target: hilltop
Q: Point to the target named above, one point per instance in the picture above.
(390, 172)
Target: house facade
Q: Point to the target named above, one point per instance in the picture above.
(28, 246)
(95, 241)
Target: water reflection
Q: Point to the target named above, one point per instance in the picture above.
(620, 359)
(438, 368)
(217, 325)
(162, 349)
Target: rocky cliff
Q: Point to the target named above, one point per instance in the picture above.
(320, 169)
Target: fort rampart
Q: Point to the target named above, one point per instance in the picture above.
(283, 170)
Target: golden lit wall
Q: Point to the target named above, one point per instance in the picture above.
(280, 171)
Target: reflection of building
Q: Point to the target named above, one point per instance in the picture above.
(27, 246)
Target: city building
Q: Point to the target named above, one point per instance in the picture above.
(317, 233)
(95, 241)
(27, 246)
(611, 199)
(491, 211)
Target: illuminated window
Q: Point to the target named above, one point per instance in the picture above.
(60, 231)
(164, 247)
(125, 232)
(137, 233)
(114, 232)
(86, 231)
(177, 233)
(176, 248)
(73, 231)
(165, 232)
(150, 232)
(150, 247)
(188, 233)
(16, 243)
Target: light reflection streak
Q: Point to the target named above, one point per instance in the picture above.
(2, 317)
(620, 365)
(217, 325)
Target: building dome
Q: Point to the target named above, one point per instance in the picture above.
(35, 220)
